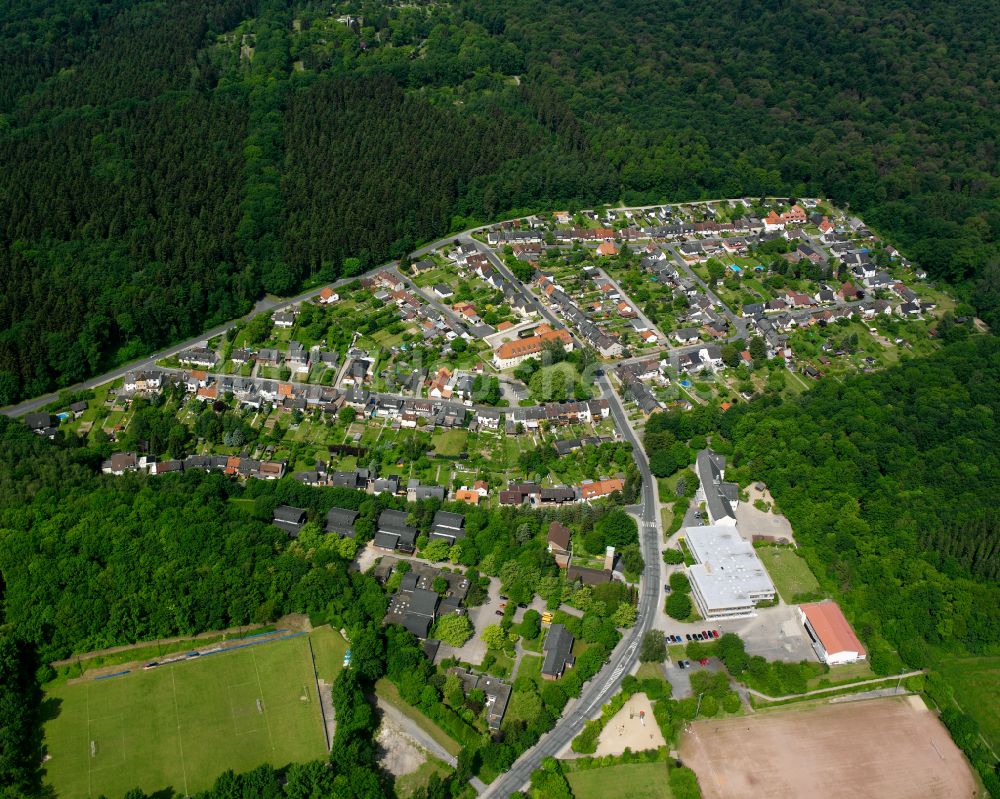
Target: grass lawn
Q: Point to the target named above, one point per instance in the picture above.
(408, 784)
(650, 670)
(643, 781)
(530, 666)
(388, 692)
(180, 725)
(329, 648)
(975, 682)
(790, 573)
(838, 675)
(450, 442)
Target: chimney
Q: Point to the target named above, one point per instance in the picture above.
(609, 559)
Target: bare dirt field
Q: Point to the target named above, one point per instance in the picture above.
(400, 754)
(886, 748)
(626, 729)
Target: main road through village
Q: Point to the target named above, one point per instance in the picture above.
(609, 679)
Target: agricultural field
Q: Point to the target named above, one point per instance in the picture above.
(789, 572)
(180, 725)
(644, 781)
(893, 748)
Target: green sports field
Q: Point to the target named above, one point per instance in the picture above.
(181, 725)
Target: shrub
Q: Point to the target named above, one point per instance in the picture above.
(679, 582)
(673, 557)
(678, 606)
(586, 742)
(653, 648)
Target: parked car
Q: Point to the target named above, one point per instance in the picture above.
(715, 633)
(521, 605)
(499, 613)
(703, 661)
(688, 636)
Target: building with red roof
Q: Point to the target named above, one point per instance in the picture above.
(831, 633)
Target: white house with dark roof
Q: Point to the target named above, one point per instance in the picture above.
(720, 498)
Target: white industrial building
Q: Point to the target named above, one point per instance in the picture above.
(728, 579)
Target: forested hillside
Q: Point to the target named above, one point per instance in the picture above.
(889, 481)
(167, 163)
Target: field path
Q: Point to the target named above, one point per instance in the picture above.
(835, 687)
(294, 622)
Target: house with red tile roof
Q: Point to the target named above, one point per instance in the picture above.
(511, 353)
(595, 489)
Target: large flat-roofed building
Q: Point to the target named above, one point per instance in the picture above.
(728, 579)
(831, 634)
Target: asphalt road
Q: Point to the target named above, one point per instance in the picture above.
(607, 682)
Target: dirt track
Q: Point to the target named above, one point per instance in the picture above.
(885, 748)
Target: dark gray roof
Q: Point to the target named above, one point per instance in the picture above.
(286, 513)
(341, 521)
(394, 521)
(420, 626)
(409, 581)
(449, 521)
(558, 648)
(38, 421)
(424, 602)
(710, 473)
(386, 540)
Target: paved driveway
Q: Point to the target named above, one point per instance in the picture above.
(474, 650)
(751, 521)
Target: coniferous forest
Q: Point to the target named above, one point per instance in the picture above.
(166, 164)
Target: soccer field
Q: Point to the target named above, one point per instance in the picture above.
(181, 725)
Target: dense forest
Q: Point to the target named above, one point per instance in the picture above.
(166, 164)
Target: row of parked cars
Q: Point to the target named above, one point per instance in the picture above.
(704, 635)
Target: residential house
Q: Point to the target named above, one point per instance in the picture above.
(558, 652)
(415, 492)
(560, 540)
(289, 519)
(597, 489)
(448, 526)
(394, 533)
(511, 353)
(342, 522)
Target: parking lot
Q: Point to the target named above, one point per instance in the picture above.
(775, 634)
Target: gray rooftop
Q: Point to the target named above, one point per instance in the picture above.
(558, 648)
(728, 573)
